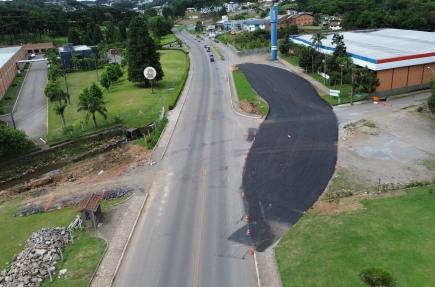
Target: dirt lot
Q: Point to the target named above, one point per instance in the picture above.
(398, 150)
(74, 182)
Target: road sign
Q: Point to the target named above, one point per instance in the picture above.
(149, 73)
(334, 93)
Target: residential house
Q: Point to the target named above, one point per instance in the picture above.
(334, 25)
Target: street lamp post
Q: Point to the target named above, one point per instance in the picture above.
(351, 88)
(93, 215)
(324, 71)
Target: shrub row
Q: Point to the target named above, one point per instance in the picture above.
(183, 82)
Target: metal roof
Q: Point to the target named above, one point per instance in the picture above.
(383, 48)
(7, 53)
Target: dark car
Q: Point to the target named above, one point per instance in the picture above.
(211, 59)
(216, 40)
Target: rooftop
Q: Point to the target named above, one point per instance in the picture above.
(7, 53)
(90, 202)
(384, 48)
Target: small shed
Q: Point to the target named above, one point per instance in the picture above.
(88, 206)
(133, 133)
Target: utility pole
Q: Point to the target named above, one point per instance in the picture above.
(351, 88)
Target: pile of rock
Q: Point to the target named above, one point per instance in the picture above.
(42, 253)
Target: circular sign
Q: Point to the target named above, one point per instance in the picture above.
(149, 73)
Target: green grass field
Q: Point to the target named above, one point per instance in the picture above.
(169, 38)
(134, 103)
(245, 92)
(395, 233)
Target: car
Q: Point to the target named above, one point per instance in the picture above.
(205, 46)
(211, 59)
(216, 40)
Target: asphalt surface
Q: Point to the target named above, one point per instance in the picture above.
(31, 108)
(193, 230)
(293, 155)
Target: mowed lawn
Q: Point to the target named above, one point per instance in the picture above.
(132, 102)
(395, 233)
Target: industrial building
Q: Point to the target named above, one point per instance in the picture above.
(403, 60)
(8, 66)
(68, 50)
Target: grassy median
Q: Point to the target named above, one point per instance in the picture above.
(395, 233)
(245, 92)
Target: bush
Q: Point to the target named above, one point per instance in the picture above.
(377, 276)
(156, 134)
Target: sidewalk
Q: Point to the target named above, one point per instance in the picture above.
(106, 271)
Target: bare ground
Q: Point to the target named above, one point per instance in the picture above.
(119, 167)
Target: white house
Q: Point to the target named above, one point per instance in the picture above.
(334, 25)
(231, 7)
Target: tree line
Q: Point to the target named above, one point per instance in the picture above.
(369, 14)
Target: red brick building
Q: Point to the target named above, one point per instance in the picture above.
(293, 19)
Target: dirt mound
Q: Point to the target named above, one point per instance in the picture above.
(249, 107)
(113, 163)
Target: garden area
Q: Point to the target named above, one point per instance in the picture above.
(127, 103)
(391, 233)
(80, 258)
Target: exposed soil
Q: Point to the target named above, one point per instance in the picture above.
(75, 181)
(249, 107)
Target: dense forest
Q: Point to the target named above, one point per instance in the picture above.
(366, 14)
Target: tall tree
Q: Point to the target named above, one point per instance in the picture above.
(91, 105)
(316, 40)
(141, 52)
(96, 36)
(60, 110)
(73, 36)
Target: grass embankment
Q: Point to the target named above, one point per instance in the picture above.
(344, 90)
(9, 99)
(133, 103)
(81, 258)
(245, 92)
(169, 38)
(394, 233)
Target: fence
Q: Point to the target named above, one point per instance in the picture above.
(248, 52)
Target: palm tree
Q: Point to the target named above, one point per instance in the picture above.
(92, 105)
(59, 110)
(316, 40)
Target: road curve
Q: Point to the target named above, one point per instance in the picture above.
(193, 232)
(293, 156)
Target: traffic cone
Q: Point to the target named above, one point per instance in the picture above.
(248, 233)
(246, 218)
(243, 166)
(243, 194)
(251, 252)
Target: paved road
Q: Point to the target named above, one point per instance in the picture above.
(31, 108)
(193, 231)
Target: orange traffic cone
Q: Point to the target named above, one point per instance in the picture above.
(243, 194)
(248, 233)
(246, 218)
(251, 252)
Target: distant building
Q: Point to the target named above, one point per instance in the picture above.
(334, 25)
(68, 50)
(8, 66)
(300, 19)
(231, 6)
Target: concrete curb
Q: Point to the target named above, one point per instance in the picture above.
(186, 92)
(99, 263)
(19, 93)
(128, 241)
(256, 269)
(233, 103)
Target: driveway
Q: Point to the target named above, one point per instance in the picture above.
(31, 108)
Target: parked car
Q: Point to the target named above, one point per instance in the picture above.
(216, 40)
(211, 59)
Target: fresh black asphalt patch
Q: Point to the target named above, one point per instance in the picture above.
(293, 153)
